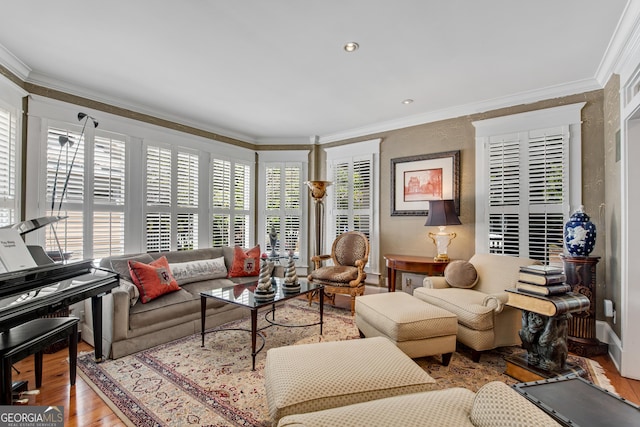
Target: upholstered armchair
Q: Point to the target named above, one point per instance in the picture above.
(350, 254)
(475, 292)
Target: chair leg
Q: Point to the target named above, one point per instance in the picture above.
(353, 305)
(475, 355)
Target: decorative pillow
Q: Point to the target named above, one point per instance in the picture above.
(245, 263)
(153, 279)
(461, 274)
(121, 265)
(195, 271)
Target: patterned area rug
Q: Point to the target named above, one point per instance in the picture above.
(182, 383)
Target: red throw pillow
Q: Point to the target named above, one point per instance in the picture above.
(245, 263)
(153, 279)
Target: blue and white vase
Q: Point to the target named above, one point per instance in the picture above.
(579, 234)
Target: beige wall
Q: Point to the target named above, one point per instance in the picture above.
(407, 235)
(612, 284)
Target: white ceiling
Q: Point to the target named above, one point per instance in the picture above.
(275, 71)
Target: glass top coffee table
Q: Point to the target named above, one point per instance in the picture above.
(243, 295)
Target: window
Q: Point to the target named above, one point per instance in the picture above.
(8, 214)
(283, 207)
(86, 184)
(231, 203)
(352, 209)
(352, 201)
(109, 195)
(524, 182)
(172, 199)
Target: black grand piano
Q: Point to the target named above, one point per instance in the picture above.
(39, 291)
(35, 292)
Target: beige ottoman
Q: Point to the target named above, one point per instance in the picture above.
(416, 327)
(313, 377)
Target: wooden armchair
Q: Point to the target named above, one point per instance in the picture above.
(350, 254)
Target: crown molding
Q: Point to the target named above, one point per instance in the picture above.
(529, 97)
(625, 34)
(50, 83)
(303, 140)
(13, 64)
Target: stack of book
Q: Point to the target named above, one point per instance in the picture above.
(542, 280)
(542, 289)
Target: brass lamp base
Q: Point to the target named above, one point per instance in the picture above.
(441, 258)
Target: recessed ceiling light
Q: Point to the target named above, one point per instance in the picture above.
(351, 47)
(407, 101)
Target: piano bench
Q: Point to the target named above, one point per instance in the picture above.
(33, 337)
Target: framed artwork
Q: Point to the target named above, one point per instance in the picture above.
(416, 180)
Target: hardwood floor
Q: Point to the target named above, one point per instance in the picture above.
(83, 407)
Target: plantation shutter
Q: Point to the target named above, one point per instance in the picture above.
(187, 180)
(158, 232)
(187, 201)
(283, 210)
(158, 192)
(7, 168)
(528, 192)
(109, 196)
(342, 194)
(273, 208)
(548, 152)
(158, 176)
(352, 208)
(231, 187)
(66, 168)
(242, 205)
(504, 194)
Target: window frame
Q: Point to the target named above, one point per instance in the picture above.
(11, 98)
(350, 153)
(283, 158)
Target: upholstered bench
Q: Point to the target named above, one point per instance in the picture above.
(312, 377)
(416, 327)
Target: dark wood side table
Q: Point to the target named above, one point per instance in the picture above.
(413, 264)
(581, 275)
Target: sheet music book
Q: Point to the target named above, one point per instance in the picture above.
(14, 254)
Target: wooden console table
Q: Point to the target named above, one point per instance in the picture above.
(413, 264)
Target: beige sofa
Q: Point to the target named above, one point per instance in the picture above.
(130, 326)
(494, 405)
(484, 320)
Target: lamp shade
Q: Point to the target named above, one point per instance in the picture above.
(442, 212)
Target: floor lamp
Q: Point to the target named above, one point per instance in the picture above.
(317, 190)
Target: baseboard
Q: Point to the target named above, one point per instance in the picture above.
(605, 333)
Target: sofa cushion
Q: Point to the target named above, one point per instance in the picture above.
(335, 273)
(461, 274)
(464, 303)
(153, 279)
(195, 271)
(121, 264)
(497, 405)
(245, 262)
(439, 408)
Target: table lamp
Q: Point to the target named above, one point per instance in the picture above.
(441, 214)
